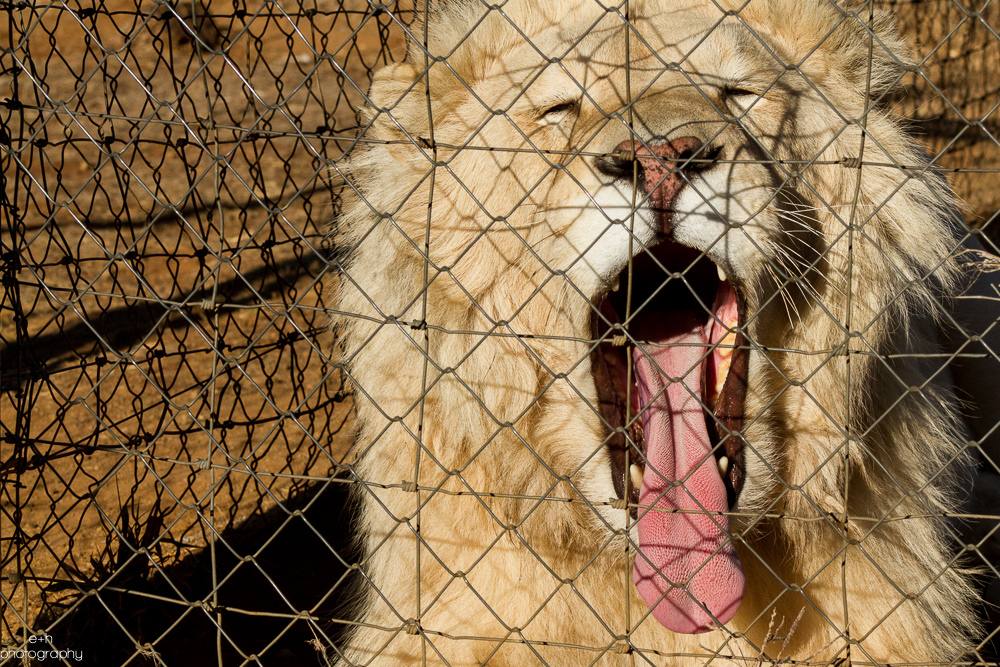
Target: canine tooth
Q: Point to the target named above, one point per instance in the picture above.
(726, 345)
(723, 373)
(723, 465)
(722, 274)
(618, 283)
(636, 474)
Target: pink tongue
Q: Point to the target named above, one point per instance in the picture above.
(686, 564)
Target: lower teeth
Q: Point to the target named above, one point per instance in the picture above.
(636, 474)
(723, 465)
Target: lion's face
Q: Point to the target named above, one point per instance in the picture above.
(656, 229)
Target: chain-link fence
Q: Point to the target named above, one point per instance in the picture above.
(198, 468)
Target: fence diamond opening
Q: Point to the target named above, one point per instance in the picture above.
(182, 463)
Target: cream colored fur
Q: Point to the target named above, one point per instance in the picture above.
(510, 553)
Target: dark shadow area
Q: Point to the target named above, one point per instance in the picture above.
(300, 563)
(122, 326)
(990, 614)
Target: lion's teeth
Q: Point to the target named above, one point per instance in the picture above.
(723, 373)
(728, 342)
(726, 345)
(723, 465)
(722, 274)
(636, 474)
(618, 283)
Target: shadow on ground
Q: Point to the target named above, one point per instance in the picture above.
(300, 563)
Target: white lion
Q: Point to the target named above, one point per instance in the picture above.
(658, 359)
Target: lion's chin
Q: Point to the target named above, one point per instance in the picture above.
(676, 384)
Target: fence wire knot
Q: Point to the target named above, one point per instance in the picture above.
(625, 156)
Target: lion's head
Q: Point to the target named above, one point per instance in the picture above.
(660, 255)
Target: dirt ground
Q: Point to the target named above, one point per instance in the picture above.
(165, 361)
(166, 368)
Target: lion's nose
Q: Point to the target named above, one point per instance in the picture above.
(659, 166)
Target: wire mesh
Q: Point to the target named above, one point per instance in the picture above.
(180, 434)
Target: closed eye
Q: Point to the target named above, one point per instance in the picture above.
(557, 112)
(735, 91)
(743, 97)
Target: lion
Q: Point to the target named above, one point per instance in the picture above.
(652, 313)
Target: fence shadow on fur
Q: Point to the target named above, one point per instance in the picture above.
(298, 566)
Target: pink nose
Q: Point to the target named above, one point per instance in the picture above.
(659, 176)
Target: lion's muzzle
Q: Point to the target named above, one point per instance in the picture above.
(660, 169)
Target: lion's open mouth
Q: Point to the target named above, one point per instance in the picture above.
(681, 468)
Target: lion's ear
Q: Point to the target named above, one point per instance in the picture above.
(397, 105)
(449, 23)
(890, 54)
(862, 34)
